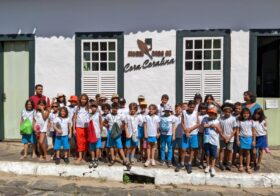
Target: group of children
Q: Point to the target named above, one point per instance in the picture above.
(195, 133)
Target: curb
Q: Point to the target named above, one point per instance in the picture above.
(161, 176)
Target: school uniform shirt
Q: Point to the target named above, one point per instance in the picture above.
(227, 125)
(152, 124)
(71, 111)
(190, 120)
(178, 124)
(123, 112)
(171, 120)
(245, 128)
(82, 117)
(25, 114)
(214, 137)
(52, 116)
(201, 118)
(113, 119)
(260, 128)
(141, 119)
(64, 125)
(39, 120)
(132, 123)
(96, 123)
(160, 108)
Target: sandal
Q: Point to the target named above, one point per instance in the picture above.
(23, 157)
(248, 170)
(241, 168)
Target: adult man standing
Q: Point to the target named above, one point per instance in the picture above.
(39, 96)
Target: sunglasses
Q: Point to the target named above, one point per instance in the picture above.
(54, 106)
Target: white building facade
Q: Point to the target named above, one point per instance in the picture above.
(136, 47)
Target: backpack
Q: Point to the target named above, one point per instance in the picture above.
(116, 131)
(164, 125)
(91, 133)
(26, 127)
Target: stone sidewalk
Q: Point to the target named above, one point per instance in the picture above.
(268, 176)
(11, 184)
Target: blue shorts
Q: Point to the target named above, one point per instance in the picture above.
(246, 143)
(152, 139)
(130, 143)
(185, 142)
(261, 142)
(114, 142)
(210, 150)
(191, 142)
(29, 139)
(141, 132)
(177, 143)
(61, 141)
(96, 145)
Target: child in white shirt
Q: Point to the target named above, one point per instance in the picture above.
(151, 129)
(94, 147)
(167, 134)
(62, 126)
(28, 114)
(132, 120)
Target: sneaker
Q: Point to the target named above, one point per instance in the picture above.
(221, 166)
(57, 161)
(189, 168)
(91, 164)
(153, 162)
(169, 164)
(207, 169)
(95, 163)
(162, 163)
(147, 163)
(228, 166)
(132, 161)
(127, 164)
(178, 167)
(66, 160)
(111, 163)
(212, 172)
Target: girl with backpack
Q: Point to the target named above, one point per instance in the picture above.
(80, 126)
(94, 135)
(27, 115)
(151, 130)
(167, 134)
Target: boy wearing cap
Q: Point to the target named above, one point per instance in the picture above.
(212, 131)
(115, 98)
(167, 134)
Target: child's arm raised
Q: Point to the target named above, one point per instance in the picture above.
(186, 130)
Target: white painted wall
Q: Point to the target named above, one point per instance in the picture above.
(55, 65)
(55, 24)
(239, 64)
(150, 82)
